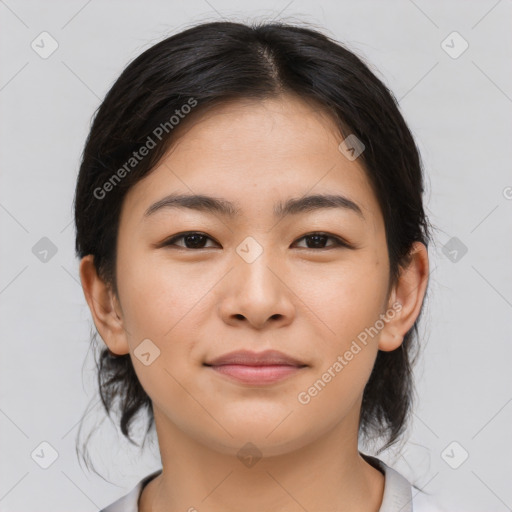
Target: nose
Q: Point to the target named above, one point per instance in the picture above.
(258, 294)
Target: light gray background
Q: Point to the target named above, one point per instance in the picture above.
(459, 112)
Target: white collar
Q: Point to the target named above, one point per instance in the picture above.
(397, 491)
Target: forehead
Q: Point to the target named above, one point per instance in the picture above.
(257, 153)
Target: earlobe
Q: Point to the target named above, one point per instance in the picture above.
(106, 313)
(389, 341)
(409, 292)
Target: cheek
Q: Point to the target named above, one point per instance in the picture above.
(345, 300)
(340, 382)
(157, 296)
(345, 303)
(159, 304)
(334, 392)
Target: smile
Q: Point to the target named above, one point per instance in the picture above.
(257, 375)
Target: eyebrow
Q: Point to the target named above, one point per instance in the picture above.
(226, 208)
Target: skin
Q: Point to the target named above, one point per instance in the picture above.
(310, 303)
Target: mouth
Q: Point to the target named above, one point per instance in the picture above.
(257, 375)
(254, 368)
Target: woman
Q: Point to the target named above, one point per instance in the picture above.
(253, 251)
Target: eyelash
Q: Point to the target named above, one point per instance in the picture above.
(338, 242)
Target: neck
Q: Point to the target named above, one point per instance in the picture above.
(325, 474)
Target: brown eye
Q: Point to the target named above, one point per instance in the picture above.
(192, 240)
(197, 240)
(319, 240)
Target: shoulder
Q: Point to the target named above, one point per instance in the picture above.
(422, 502)
(130, 502)
(399, 494)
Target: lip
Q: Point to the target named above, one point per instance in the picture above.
(248, 358)
(256, 375)
(256, 368)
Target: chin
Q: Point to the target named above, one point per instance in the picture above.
(269, 438)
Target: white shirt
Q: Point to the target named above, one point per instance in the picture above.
(399, 495)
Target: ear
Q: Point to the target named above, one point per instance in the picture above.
(105, 308)
(409, 291)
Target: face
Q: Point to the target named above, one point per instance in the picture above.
(308, 282)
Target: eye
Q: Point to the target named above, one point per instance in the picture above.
(318, 241)
(197, 240)
(192, 239)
